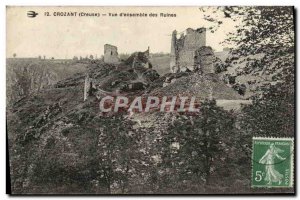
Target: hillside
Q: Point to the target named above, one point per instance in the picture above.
(25, 76)
(237, 68)
(55, 137)
(200, 86)
(161, 63)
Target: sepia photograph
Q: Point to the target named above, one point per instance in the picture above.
(150, 100)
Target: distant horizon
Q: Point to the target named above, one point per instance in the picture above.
(99, 56)
(83, 56)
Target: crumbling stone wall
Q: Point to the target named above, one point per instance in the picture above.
(183, 49)
(88, 84)
(110, 54)
(139, 59)
(206, 61)
(89, 87)
(174, 53)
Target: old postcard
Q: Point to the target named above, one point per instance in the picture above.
(150, 100)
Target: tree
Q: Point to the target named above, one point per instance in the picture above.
(263, 41)
(91, 57)
(194, 143)
(264, 48)
(116, 151)
(14, 55)
(75, 58)
(272, 114)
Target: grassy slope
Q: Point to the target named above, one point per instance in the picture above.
(161, 64)
(199, 86)
(25, 76)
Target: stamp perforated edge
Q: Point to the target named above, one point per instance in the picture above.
(292, 160)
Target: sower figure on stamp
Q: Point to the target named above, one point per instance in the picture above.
(268, 159)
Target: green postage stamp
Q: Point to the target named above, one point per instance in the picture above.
(272, 162)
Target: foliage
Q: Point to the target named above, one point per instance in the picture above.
(272, 114)
(193, 144)
(115, 153)
(266, 31)
(78, 150)
(124, 56)
(264, 50)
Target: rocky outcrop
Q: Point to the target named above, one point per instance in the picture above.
(139, 59)
(132, 75)
(205, 60)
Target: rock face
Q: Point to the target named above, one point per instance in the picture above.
(139, 59)
(110, 54)
(134, 74)
(205, 59)
(183, 49)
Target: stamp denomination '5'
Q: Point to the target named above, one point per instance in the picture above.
(272, 162)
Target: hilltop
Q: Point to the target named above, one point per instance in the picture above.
(57, 131)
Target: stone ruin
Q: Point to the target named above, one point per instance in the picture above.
(139, 59)
(183, 49)
(190, 53)
(89, 87)
(111, 54)
(139, 74)
(206, 62)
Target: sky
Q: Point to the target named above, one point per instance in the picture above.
(69, 36)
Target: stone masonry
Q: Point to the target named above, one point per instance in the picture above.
(110, 54)
(183, 49)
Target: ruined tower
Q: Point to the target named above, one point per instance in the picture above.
(183, 49)
(110, 54)
(173, 54)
